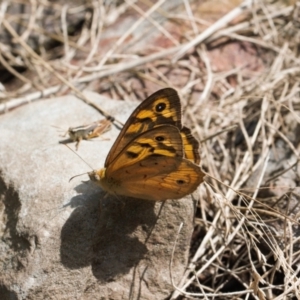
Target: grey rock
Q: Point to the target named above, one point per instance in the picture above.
(67, 240)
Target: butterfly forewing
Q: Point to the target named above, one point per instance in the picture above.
(161, 108)
(163, 140)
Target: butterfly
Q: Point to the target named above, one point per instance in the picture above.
(87, 132)
(154, 157)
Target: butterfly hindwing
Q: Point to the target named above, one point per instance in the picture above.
(161, 108)
(157, 178)
(190, 145)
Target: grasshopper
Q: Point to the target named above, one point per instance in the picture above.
(87, 132)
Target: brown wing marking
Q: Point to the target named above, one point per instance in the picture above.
(164, 140)
(162, 107)
(190, 145)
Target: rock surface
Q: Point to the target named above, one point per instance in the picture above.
(65, 240)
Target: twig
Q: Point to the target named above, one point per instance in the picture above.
(212, 29)
(14, 103)
(60, 77)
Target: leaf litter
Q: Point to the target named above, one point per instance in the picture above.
(236, 67)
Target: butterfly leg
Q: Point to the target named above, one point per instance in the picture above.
(120, 200)
(158, 215)
(101, 201)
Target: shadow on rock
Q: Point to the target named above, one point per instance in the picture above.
(107, 233)
(77, 232)
(7, 294)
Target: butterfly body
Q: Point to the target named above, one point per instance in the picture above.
(154, 157)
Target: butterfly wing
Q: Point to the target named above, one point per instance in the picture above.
(153, 157)
(156, 178)
(162, 107)
(163, 140)
(190, 145)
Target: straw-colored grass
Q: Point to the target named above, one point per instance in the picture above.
(247, 116)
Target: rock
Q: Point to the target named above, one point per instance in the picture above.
(67, 240)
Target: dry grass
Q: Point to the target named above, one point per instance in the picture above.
(245, 244)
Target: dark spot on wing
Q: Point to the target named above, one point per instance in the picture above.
(180, 181)
(150, 148)
(159, 138)
(131, 154)
(145, 145)
(160, 107)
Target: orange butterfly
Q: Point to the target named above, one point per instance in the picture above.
(154, 156)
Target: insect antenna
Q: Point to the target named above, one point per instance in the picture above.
(61, 130)
(77, 176)
(81, 159)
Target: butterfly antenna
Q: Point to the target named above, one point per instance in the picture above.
(79, 157)
(77, 176)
